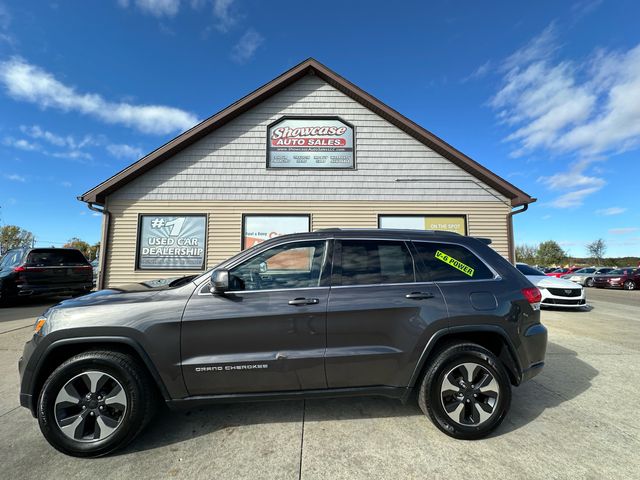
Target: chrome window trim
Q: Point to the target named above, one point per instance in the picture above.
(263, 290)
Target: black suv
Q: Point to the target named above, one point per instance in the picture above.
(30, 272)
(330, 313)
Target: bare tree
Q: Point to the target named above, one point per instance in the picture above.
(597, 249)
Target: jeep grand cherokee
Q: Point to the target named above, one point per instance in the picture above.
(330, 313)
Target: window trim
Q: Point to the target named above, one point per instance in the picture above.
(336, 277)
(425, 270)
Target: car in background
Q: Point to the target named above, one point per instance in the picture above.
(30, 272)
(556, 292)
(560, 272)
(585, 276)
(94, 266)
(627, 278)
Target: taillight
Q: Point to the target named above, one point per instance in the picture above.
(22, 268)
(532, 295)
(82, 269)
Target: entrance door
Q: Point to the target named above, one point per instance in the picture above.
(268, 333)
(379, 319)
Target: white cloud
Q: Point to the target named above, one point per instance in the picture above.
(75, 155)
(65, 184)
(575, 185)
(246, 46)
(5, 22)
(156, 8)
(35, 131)
(561, 106)
(479, 72)
(14, 177)
(124, 151)
(222, 11)
(27, 82)
(610, 211)
(21, 144)
(623, 231)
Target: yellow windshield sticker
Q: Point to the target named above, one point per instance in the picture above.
(457, 264)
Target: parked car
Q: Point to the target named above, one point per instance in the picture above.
(556, 292)
(329, 313)
(627, 278)
(559, 272)
(94, 266)
(30, 272)
(585, 276)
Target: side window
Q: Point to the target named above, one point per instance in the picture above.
(372, 262)
(292, 265)
(446, 262)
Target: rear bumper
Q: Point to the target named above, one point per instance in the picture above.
(534, 343)
(27, 290)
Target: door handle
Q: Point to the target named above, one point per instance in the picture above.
(419, 295)
(304, 301)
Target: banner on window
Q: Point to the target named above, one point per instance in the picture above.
(258, 228)
(168, 242)
(448, 223)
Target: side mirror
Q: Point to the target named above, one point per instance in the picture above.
(219, 282)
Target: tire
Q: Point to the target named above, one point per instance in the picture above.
(589, 282)
(122, 403)
(495, 397)
(629, 285)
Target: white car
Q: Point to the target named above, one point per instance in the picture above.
(556, 292)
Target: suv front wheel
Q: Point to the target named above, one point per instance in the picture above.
(95, 403)
(466, 391)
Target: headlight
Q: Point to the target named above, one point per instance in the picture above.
(39, 324)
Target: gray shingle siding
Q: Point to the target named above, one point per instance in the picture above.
(229, 164)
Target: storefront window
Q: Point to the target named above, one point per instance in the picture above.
(258, 228)
(449, 223)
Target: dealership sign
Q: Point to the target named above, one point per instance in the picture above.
(310, 142)
(168, 242)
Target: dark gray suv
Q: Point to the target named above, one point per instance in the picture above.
(323, 314)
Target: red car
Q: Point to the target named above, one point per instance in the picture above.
(627, 278)
(559, 272)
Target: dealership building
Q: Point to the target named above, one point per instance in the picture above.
(307, 151)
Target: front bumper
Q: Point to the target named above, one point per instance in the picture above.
(551, 300)
(27, 366)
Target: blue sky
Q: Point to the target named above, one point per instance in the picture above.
(546, 94)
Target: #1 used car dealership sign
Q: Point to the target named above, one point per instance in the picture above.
(310, 142)
(168, 242)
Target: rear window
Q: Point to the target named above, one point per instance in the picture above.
(11, 258)
(374, 262)
(446, 262)
(55, 257)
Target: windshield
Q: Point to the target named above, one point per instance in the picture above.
(585, 270)
(560, 270)
(527, 270)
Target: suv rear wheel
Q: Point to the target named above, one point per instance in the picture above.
(466, 391)
(95, 403)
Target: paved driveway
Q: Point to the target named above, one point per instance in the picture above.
(578, 419)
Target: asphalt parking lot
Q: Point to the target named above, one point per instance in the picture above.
(580, 418)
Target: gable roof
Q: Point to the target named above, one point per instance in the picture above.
(311, 66)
